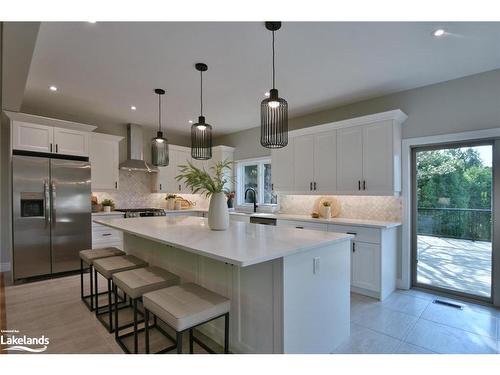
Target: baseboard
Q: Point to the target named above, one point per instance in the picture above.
(5, 267)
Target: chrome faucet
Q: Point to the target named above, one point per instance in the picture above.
(254, 198)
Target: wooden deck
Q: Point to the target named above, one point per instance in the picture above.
(460, 265)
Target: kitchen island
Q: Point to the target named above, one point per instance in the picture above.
(289, 288)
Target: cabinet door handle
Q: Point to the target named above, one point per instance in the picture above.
(272, 186)
(106, 234)
(160, 186)
(116, 184)
(354, 247)
(299, 227)
(359, 185)
(179, 187)
(353, 233)
(56, 148)
(364, 185)
(51, 147)
(314, 185)
(310, 186)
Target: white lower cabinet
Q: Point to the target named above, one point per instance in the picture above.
(103, 236)
(365, 266)
(302, 225)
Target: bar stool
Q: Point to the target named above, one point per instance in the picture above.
(184, 307)
(107, 267)
(134, 283)
(88, 257)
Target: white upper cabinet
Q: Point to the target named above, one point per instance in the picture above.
(350, 159)
(71, 142)
(360, 156)
(283, 168)
(303, 156)
(325, 162)
(32, 137)
(104, 160)
(48, 139)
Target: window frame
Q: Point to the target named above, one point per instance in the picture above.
(240, 191)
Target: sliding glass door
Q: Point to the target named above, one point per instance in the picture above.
(452, 219)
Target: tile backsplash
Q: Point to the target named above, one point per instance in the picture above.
(135, 192)
(352, 207)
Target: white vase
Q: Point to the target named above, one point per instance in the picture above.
(327, 212)
(106, 208)
(218, 215)
(170, 203)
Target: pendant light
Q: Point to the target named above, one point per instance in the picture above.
(273, 111)
(201, 132)
(159, 145)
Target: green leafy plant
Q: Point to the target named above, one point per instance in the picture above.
(108, 202)
(200, 181)
(327, 204)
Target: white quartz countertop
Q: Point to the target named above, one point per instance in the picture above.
(369, 223)
(242, 244)
(112, 213)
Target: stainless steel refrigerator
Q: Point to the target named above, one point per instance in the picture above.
(51, 214)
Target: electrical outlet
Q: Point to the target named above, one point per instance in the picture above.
(316, 265)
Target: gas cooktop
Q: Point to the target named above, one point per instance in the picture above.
(141, 212)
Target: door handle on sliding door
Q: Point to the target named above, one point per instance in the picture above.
(53, 204)
(46, 198)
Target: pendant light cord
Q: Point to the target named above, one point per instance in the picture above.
(201, 93)
(159, 112)
(273, 62)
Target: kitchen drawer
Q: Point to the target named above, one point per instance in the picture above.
(101, 245)
(302, 225)
(363, 234)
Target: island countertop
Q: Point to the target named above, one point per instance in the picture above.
(242, 244)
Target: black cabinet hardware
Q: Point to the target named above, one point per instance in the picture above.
(160, 186)
(106, 234)
(364, 185)
(56, 148)
(310, 186)
(299, 227)
(354, 247)
(116, 184)
(51, 147)
(359, 185)
(315, 185)
(353, 233)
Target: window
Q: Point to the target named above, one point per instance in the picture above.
(255, 174)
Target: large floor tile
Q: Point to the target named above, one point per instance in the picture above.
(465, 319)
(366, 341)
(406, 348)
(417, 293)
(386, 321)
(405, 303)
(444, 339)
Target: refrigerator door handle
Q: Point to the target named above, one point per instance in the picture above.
(47, 200)
(53, 204)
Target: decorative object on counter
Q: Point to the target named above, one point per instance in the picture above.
(273, 111)
(96, 207)
(159, 145)
(201, 132)
(230, 199)
(334, 207)
(200, 181)
(107, 205)
(327, 209)
(171, 201)
(178, 205)
(315, 215)
(184, 203)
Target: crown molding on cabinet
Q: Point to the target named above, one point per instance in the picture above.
(47, 121)
(396, 115)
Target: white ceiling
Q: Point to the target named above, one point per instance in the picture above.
(102, 69)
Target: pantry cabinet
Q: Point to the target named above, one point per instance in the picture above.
(34, 137)
(360, 156)
(104, 160)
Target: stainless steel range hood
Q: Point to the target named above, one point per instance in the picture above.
(135, 156)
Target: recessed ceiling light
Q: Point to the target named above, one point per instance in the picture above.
(438, 32)
(190, 121)
(52, 88)
(133, 107)
(267, 94)
(91, 21)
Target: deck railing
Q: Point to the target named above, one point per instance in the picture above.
(464, 223)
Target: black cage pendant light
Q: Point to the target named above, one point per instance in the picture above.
(273, 111)
(201, 132)
(159, 145)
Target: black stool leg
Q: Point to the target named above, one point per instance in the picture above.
(226, 333)
(110, 307)
(136, 344)
(191, 341)
(91, 289)
(179, 342)
(115, 289)
(146, 329)
(81, 279)
(96, 292)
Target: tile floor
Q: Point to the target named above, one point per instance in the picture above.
(407, 322)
